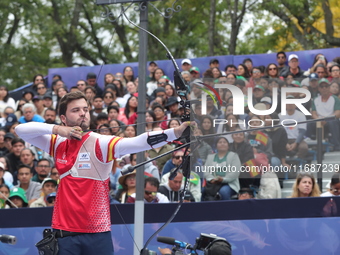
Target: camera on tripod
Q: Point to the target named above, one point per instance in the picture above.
(208, 243)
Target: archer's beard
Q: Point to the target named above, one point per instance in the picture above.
(84, 123)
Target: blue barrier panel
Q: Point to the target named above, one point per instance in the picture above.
(71, 75)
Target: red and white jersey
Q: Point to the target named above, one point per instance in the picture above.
(82, 203)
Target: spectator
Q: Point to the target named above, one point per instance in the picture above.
(335, 89)
(41, 89)
(47, 101)
(108, 79)
(43, 169)
(321, 71)
(152, 85)
(305, 186)
(245, 193)
(32, 189)
(249, 64)
(115, 126)
(50, 116)
(335, 73)
(230, 69)
(272, 71)
(170, 91)
(39, 105)
(56, 84)
(18, 198)
(91, 79)
(296, 145)
(175, 161)
(151, 68)
(14, 156)
(131, 107)
(90, 92)
(325, 105)
(281, 59)
(2, 179)
(195, 73)
(225, 183)
(173, 189)
(55, 174)
(243, 71)
(128, 75)
(128, 183)
(154, 152)
(130, 131)
(5, 99)
(108, 98)
(216, 72)
(186, 64)
(27, 157)
(81, 85)
(151, 194)
(312, 82)
(204, 149)
(38, 78)
(48, 186)
(334, 187)
(4, 194)
(104, 129)
(3, 148)
(294, 69)
(319, 60)
(29, 114)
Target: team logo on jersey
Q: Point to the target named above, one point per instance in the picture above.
(84, 156)
(82, 166)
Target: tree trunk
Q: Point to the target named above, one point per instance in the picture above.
(211, 30)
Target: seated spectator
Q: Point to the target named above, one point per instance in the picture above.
(3, 148)
(39, 105)
(50, 199)
(151, 194)
(294, 69)
(104, 129)
(48, 186)
(115, 126)
(27, 95)
(27, 157)
(4, 194)
(150, 119)
(194, 186)
(14, 157)
(225, 183)
(5, 99)
(2, 173)
(175, 161)
(43, 169)
(51, 116)
(32, 189)
(335, 73)
(206, 125)
(325, 105)
(334, 187)
(55, 174)
(296, 145)
(335, 89)
(305, 186)
(149, 168)
(18, 198)
(90, 92)
(152, 84)
(128, 187)
(172, 105)
(204, 149)
(91, 79)
(272, 71)
(29, 114)
(242, 70)
(7, 175)
(160, 116)
(245, 193)
(41, 89)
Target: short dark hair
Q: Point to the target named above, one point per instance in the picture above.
(91, 88)
(112, 107)
(54, 82)
(247, 59)
(281, 52)
(44, 159)
(32, 153)
(230, 66)
(69, 97)
(17, 140)
(153, 181)
(24, 166)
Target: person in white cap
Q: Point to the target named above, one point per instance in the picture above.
(294, 69)
(186, 64)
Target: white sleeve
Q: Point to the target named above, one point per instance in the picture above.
(36, 133)
(139, 143)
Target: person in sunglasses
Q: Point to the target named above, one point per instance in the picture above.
(151, 194)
